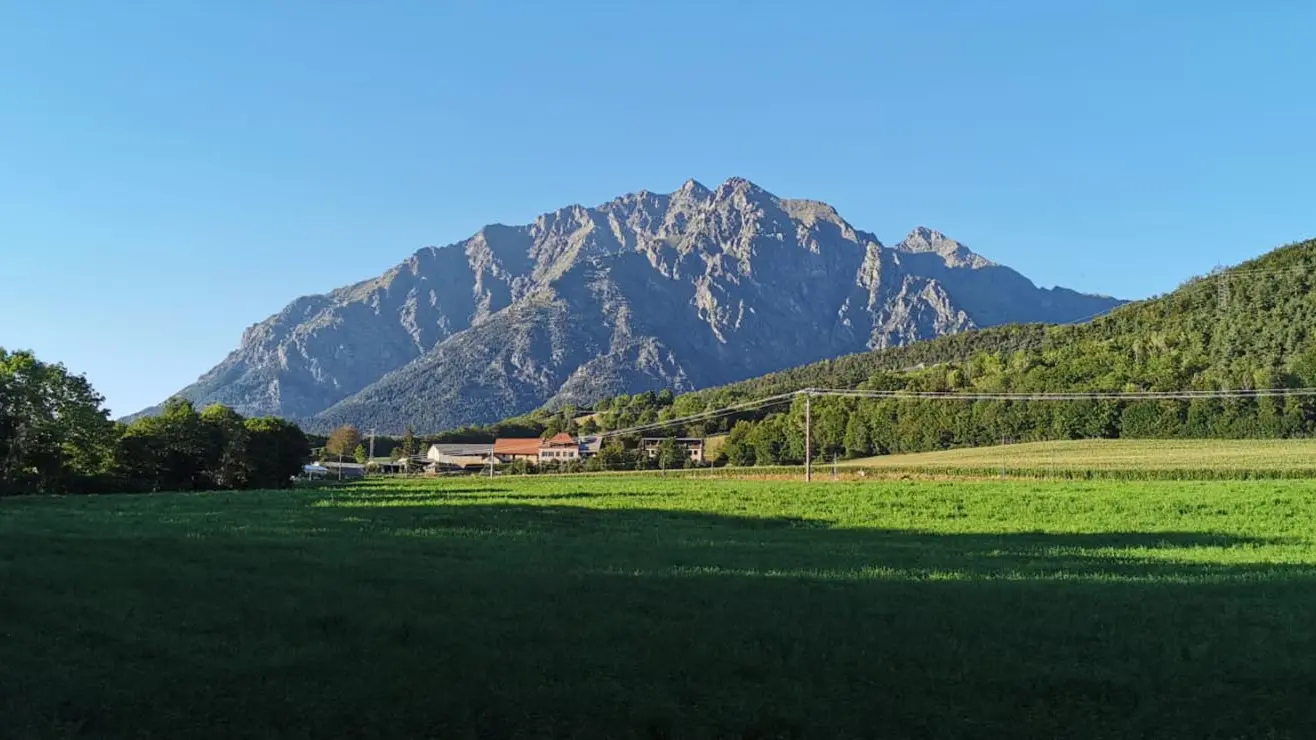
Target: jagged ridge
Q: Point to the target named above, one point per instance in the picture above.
(684, 290)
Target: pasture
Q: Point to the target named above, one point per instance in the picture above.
(647, 607)
(1131, 459)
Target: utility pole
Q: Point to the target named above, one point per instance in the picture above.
(372, 446)
(491, 460)
(808, 436)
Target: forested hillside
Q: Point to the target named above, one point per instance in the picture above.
(1245, 328)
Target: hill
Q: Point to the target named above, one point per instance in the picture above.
(1249, 327)
(685, 290)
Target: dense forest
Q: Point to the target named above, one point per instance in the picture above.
(1245, 328)
(56, 437)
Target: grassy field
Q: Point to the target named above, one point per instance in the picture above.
(664, 608)
(1260, 457)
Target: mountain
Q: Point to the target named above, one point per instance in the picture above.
(685, 290)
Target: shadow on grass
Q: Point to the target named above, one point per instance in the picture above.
(508, 620)
(658, 540)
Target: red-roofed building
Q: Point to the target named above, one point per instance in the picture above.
(558, 448)
(508, 449)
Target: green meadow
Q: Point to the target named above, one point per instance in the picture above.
(1112, 459)
(1238, 455)
(650, 607)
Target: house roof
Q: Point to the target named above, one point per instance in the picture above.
(561, 439)
(677, 439)
(331, 465)
(516, 446)
(481, 448)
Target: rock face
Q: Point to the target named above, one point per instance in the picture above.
(683, 290)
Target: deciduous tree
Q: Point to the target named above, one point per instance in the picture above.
(343, 441)
(276, 451)
(228, 447)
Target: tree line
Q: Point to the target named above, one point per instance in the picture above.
(57, 437)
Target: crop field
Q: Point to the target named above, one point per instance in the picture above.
(1118, 458)
(649, 607)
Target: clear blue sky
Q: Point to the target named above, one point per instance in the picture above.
(172, 172)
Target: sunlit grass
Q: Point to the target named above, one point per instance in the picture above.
(1131, 455)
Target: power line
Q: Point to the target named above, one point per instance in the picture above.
(758, 404)
(708, 415)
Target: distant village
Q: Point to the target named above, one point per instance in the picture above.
(561, 451)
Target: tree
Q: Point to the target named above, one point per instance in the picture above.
(343, 441)
(186, 444)
(276, 451)
(360, 454)
(589, 426)
(227, 442)
(830, 418)
(769, 442)
(737, 448)
(857, 441)
(521, 466)
(671, 455)
(408, 446)
(139, 455)
(172, 451)
(612, 456)
(55, 436)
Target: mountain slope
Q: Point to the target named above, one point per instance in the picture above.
(1246, 328)
(684, 290)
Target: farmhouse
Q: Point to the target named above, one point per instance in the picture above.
(458, 456)
(510, 449)
(558, 448)
(694, 446)
(339, 470)
(386, 465)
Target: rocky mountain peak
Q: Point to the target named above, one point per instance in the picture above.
(694, 188)
(923, 240)
(684, 290)
(739, 186)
